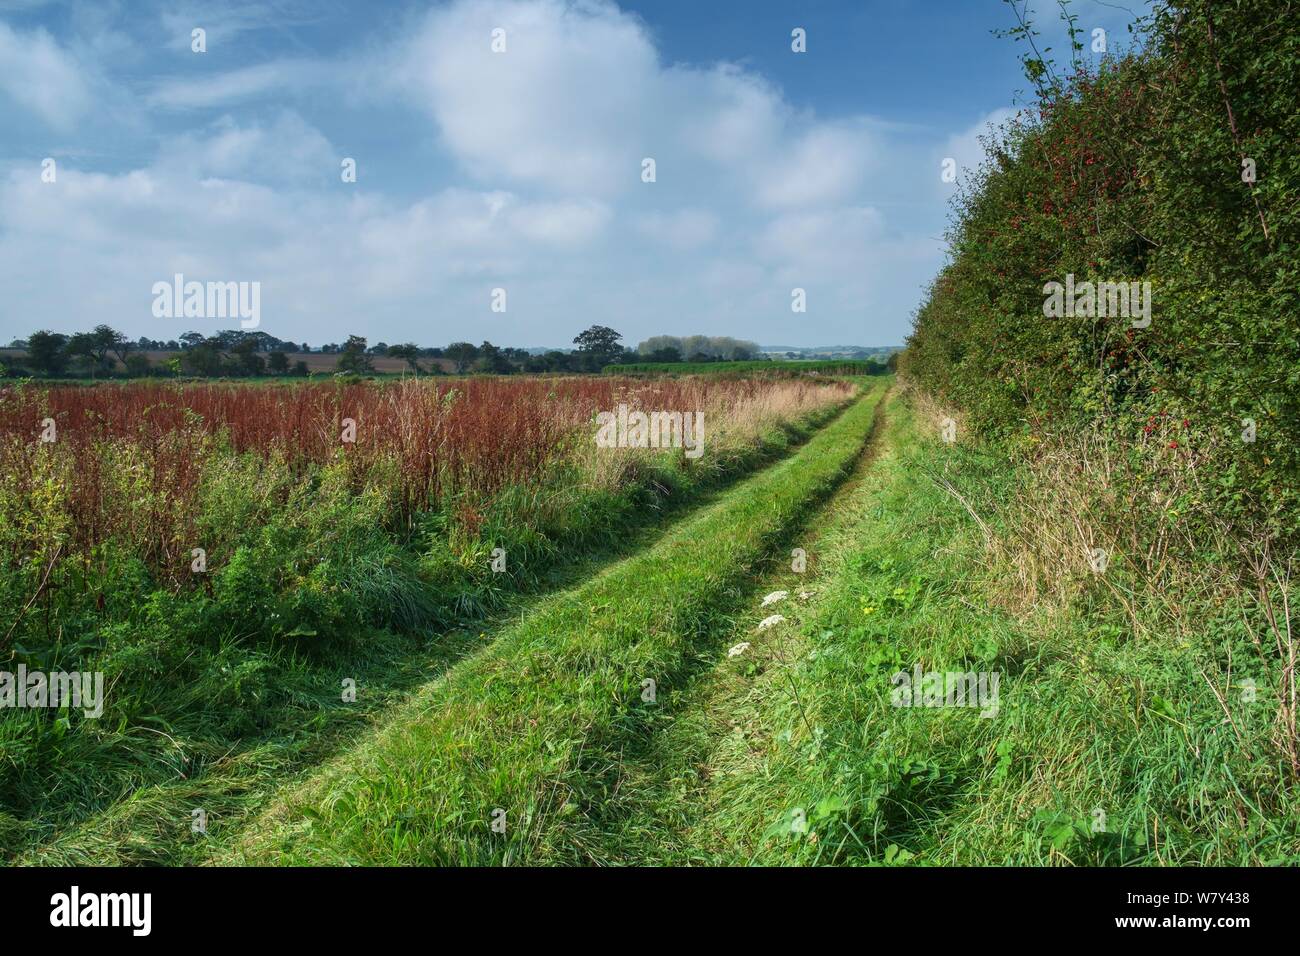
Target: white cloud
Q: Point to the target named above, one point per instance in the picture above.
(558, 108)
(353, 256)
(287, 149)
(827, 164)
(42, 77)
(829, 245)
(536, 187)
(262, 80)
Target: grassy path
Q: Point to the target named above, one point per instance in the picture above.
(530, 732)
(135, 811)
(1098, 749)
(735, 716)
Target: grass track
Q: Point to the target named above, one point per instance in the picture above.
(534, 725)
(722, 725)
(1104, 749)
(307, 725)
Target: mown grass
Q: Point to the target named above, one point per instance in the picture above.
(530, 730)
(1110, 745)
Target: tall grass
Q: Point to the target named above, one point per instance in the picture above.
(533, 727)
(1136, 725)
(322, 560)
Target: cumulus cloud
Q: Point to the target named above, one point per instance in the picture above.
(317, 252)
(287, 149)
(537, 188)
(42, 77)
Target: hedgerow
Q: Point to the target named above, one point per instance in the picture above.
(1173, 163)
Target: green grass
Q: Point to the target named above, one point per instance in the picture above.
(1105, 750)
(534, 724)
(1108, 746)
(786, 367)
(214, 717)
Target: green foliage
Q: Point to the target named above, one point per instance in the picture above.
(827, 367)
(310, 577)
(1133, 170)
(541, 719)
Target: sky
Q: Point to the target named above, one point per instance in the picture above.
(520, 168)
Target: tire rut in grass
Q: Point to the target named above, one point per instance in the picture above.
(532, 722)
(657, 812)
(151, 824)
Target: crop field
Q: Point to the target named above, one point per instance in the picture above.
(790, 367)
(219, 545)
(622, 439)
(417, 648)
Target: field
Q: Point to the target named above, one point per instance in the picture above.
(790, 367)
(226, 555)
(681, 662)
(320, 363)
(677, 660)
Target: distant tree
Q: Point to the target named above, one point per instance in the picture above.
(408, 352)
(46, 354)
(598, 347)
(191, 339)
(261, 341)
(108, 339)
(492, 361)
(353, 358)
(669, 354)
(278, 362)
(138, 365)
(246, 359)
(300, 368)
(462, 353)
(693, 346)
(88, 348)
(205, 358)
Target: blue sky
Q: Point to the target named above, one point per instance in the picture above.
(478, 170)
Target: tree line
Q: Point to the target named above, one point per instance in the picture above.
(105, 352)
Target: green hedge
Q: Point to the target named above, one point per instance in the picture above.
(1133, 170)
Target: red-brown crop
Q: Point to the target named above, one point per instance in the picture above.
(427, 442)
